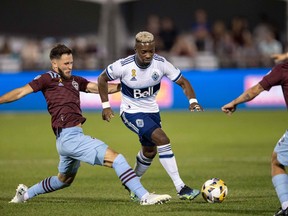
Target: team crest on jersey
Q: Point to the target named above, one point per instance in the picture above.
(133, 74)
(155, 76)
(75, 85)
(140, 123)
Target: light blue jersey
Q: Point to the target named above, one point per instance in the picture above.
(140, 85)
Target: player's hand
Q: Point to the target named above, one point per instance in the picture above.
(107, 114)
(229, 108)
(279, 57)
(195, 107)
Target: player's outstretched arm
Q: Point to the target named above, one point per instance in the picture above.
(107, 112)
(279, 57)
(248, 95)
(16, 94)
(92, 87)
(190, 94)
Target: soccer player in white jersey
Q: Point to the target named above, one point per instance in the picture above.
(140, 75)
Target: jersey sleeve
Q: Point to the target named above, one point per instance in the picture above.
(40, 82)
(82, 83)
(272, 78)
(114, 70)
(171, 71)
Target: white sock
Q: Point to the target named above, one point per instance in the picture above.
(142, 164)
(26, 196)
(168, 161)
(284, 205)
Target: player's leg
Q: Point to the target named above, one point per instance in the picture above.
(167, 157)
(144, 159)
(168, 160)
(129, 179)
(124, 172)
(50, 184)
(95, 152)
(66, 143)
(279, 176)
(139, 123)
(148, 128)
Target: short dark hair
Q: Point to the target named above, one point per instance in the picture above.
(59, 50)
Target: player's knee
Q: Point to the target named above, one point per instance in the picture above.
(276, 166)
(163, 140)
(150, 153)
(110, 157)
(274, 160)
(159, 137)
(65, 180)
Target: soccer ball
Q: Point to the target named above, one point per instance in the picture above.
(214, 190)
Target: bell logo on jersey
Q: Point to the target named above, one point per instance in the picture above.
(143, 93)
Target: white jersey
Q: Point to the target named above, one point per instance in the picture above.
(140, 85)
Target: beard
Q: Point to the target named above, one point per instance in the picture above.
(61, 73)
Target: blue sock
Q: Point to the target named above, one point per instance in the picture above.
(280, 183)
(46, 186)
(128, 177)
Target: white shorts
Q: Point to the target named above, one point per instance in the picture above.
(281, 149)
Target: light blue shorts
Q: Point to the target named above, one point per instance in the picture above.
(73, 146)
(281, 149)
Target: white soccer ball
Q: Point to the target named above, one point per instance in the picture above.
(214, 190)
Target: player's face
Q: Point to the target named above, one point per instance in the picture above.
(63, 65)
(145, 52)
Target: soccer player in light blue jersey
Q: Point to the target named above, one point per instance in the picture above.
(140, 75)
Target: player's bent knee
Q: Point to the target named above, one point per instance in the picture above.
(65, 179)
(150, 154)
(274, 160)
(109, 157)
(276, 166)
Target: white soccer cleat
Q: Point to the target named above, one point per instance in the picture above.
(19, 196)
(153, 199)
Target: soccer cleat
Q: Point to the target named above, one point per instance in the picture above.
(19, 196)
(133, 197)
(153, 199)
(281, 212)
(186, 193)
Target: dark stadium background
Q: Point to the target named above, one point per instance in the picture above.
(34, 17)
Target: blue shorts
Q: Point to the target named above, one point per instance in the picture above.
(142, 124)
(281, 149)
(73, 146)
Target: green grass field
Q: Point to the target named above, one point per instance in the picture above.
(236, 149)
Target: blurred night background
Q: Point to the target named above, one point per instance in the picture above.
(206, 34)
